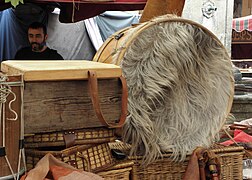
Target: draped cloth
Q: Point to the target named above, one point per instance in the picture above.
(52, 168)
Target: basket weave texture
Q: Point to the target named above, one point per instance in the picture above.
(82, 136)
(121, 170)
(91, 158)
(164, 168)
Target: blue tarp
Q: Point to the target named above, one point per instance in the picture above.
(112, 21)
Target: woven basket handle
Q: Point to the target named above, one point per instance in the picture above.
(93, 90)
(80, 155)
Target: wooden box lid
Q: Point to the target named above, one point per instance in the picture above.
(59, 70)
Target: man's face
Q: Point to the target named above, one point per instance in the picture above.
(37, 39)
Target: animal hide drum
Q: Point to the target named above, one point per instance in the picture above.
(180, 85)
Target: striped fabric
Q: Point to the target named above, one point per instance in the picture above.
(243, 23)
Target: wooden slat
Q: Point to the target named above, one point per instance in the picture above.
(59, 70)
(241, 60)
(63, 105)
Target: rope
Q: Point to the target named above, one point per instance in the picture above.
(232, 139)
(6, 157)
(115, 49)
(1, 106)
(21, 150)
(12, 172)
(19, 162)
(5, 91)
(9, 105)
(3, 125)
(73, 11)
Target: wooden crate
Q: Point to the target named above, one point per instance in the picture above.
(56, 95)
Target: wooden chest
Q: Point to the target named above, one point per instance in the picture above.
(56, 94)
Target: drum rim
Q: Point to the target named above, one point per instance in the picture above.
(142, 26)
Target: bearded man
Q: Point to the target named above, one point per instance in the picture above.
(37, 35)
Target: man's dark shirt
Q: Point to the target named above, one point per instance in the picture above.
(27, 54)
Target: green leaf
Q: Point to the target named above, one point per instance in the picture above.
(14, 2)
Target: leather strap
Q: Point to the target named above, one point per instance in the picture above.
(239, 126)
(69, 139)
(93, 90)
(203, 164)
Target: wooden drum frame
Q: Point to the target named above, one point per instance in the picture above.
(180, 68)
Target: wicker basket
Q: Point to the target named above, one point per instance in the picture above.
(120, 171)
(80, 137)
(164, 168)
(91, 158)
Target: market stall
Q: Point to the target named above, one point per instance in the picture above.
(242, 44)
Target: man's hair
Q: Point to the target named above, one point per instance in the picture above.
(37, 25)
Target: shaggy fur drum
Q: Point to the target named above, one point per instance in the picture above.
(180, 85)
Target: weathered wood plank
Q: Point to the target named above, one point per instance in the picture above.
(62, 105)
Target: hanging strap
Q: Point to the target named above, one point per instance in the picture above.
(93, 90)
(69, 138)
(203, 164)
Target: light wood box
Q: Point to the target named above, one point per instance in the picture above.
(56, 95)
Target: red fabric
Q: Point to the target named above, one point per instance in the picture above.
(85, 10)
(239, 136)
(88, 10)
(58, 171)
(95, 2)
